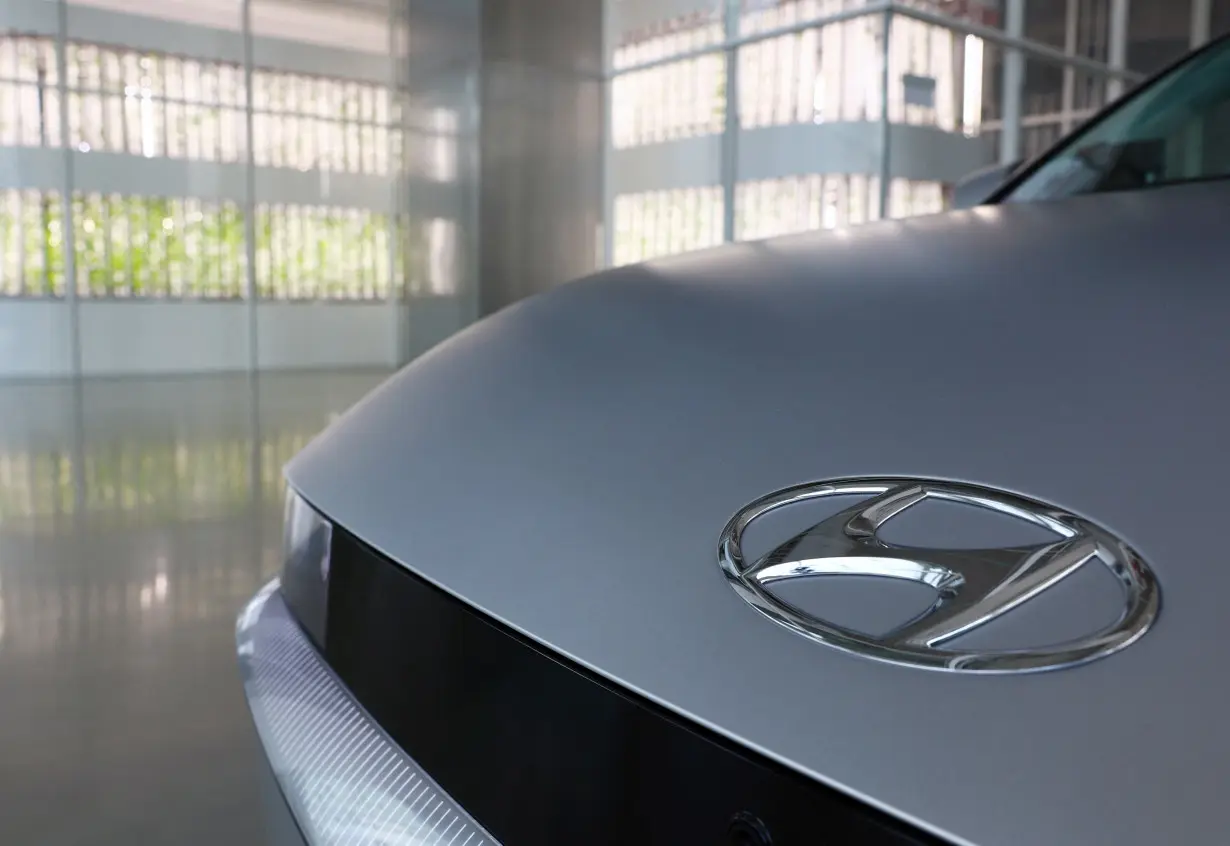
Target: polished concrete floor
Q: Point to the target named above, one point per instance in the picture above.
(136, 517)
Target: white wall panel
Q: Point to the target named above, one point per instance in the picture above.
(322, 61)
(122, 338)
(34, 17)
(776, 151)
(306, 335)
(687, 163)
(152, 33)
(773, 152)
(134, 337)
(115, 173)
(32, 167)
(34, 339)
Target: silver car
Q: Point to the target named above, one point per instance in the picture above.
(901, 534)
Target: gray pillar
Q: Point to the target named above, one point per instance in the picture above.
(1202, 13)
(540, 196)
(1118, 47)
(1013, 84)
(730, 133)
(440, 65)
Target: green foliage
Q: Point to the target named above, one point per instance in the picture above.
(169, 247)
(31, 247)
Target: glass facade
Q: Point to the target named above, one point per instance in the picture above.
(29, 92)
(265, 152)
(817, 81)
(245, 156)
(159, 106)
(681, 100)
(816, 75)
(661, 223)
(31, 244)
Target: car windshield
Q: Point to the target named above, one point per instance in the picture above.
(1176, 129)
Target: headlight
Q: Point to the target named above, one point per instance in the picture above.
(306, 541)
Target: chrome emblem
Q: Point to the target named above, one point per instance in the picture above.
(973, 586)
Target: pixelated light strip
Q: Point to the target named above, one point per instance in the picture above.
(346, 781)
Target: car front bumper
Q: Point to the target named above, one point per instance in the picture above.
(345, 781)
(360, 674)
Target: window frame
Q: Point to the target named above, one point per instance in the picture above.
(1025, 172)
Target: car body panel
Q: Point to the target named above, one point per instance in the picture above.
(566, 466)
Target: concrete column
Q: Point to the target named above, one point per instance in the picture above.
(542, 137)
(1013, 84)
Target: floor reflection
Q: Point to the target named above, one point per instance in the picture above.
(135, 519)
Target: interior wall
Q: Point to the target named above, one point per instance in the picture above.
(34, 339)
(150, 337)
(541, 147)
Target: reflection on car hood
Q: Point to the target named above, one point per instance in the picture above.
(567, 465)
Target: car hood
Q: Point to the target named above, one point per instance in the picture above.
(567, 465)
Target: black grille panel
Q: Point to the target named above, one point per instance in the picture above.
(542, 752)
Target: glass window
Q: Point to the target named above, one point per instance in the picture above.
(1173, 130)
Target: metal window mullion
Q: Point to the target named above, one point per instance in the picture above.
(123, 95)
(302, 286)
(130, 280)
(68, 239)
(21, 241)
(159, 105)
(1117, 53)
(249, 207)
(395, 299)
(1194, 136)
(1202, 15)
(730, 130)
(991, 35)
(608, 138)
(1071, 24)
(886, 170)
(164, 243)
(40, 95)
(1013, 81)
